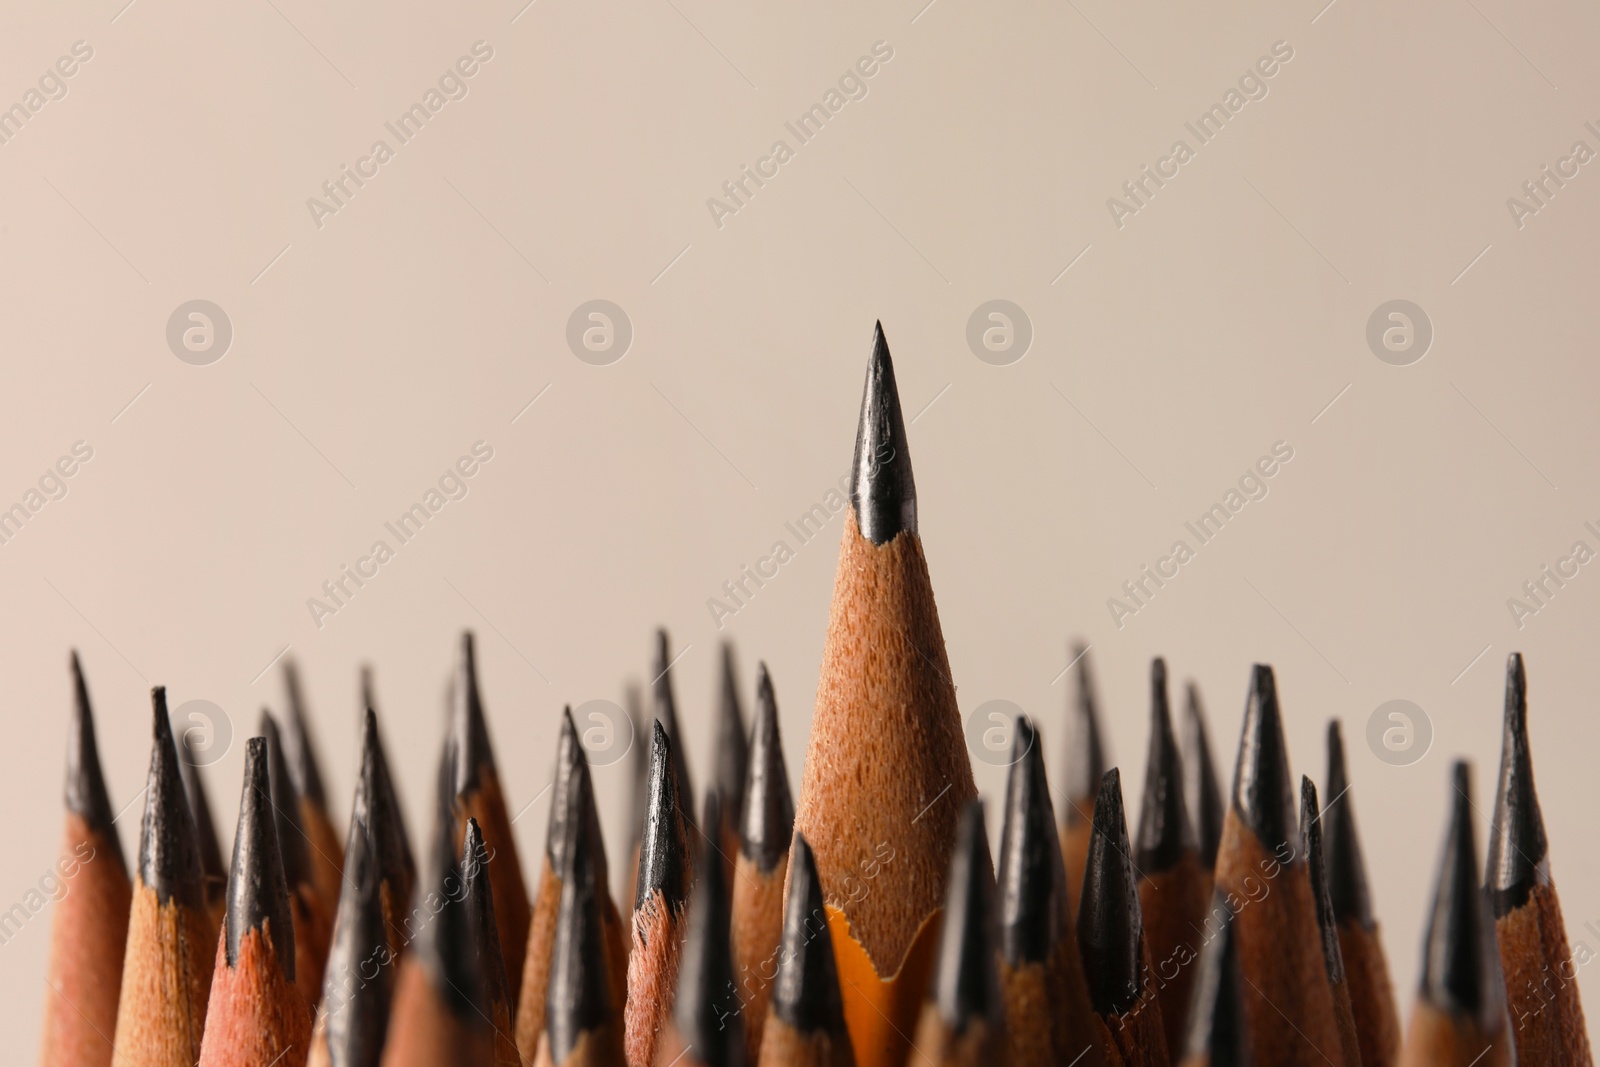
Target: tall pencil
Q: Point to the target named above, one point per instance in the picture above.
(805, 1020)
(257, 1017)
(1085, 766)
(1460, 1016)
(1048, 1017)
(90, 926)
(299, 751)
(1202, 794)
(1372, 1002)
(1173, 887)
(1540, 973)
(166, 971)
(358, 984)
(732, 757)
(763, 862)
(886, 770)
(1261, 861)
(1327, 925)
(313, 920)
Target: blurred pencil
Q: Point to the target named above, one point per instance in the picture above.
(166, 971)
(213, 871)
(1217, 1030)
(326, 850)
(886, 770)
(90, 927)
(805, 1019)
(1261, 862)
(313, 921)
(1201, 793)
(1116, 959)
(763, 862)
(664, 706)
(732, 757)
(257, 1016)
(666, 873)
(1459, 1019)
(358, 987)
(376, 812)
(1541, 975)
(1048, 1017)
(1327, 925)
(1372, 1001)
(1085, 766)
(484, 938)
(1173, 887)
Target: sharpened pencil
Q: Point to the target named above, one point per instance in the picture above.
(1372, 1001)
(1540, 972)
(805, 1019)
(1048, 1017)
(639, 758)
(377, 809)
(1217, 1034)
(732, 757)
(666, 874)
(1327, 925)
(1085, 766)
(1202, 794)
(257, 1017)
(762, 864)
(1173, 887)
(478, 887)
(886, 771)
(1116, 958)
(166, 971)
(358, 987)
(1460, 1015)
(90, 927)
(305, 771)
(313, 921)
(213, 871)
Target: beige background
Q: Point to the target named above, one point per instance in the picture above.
(425, 315)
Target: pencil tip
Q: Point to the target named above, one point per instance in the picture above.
(579, 997)
(1086, 757)
(966, 986)
(1165, 833)
(1347, 868)
(369, 688)
(1327, 923)
(212, 869)
(474, 755)
(1460, 956)
(487, 960)
(299, 749)
(768, 803)
(1518, 850)
(1202, 793)
(286, 805)
(666, 709)
(707, 1006)
(1032, 880)
(882, 489)
(664, 860)
(86, 795)
(569, 753)
(1261, 784)
(258, 892)
(169, 858)
(355, 1012)
(806, 992)
(733, 755)
(377, 810)
(1216, 1033)
(1110, 923)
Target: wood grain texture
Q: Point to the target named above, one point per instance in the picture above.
(757, 933)
(257, 1017)
(1541, 983)
(166, 984)
(88, 934)
(1372, 1001)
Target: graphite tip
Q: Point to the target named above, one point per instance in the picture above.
(806, 993)
(478, 895)
(578, 998)
(706, 1009)
(86, 795)
(1202, 793)
(1216, 1031)
(360, 977)
(1460, 957)
(1519, 856)
(1327, 922)
(1086, 757)
(733, 756)
(1347, 869)
(882, 490)
(665, 863)
(569, 753)
(966, 984)
(1032, 881)
(1262, 794)
(211, 865)
(474, 754)
(1110, 922)
(292, 840)
(768, 803)
(258, 894)
(376, 811)
(298, 747)
(1165, 832)
(169, 855)
(666, 711)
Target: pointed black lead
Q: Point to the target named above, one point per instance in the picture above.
(447, 944)
(1202, 794)
(633, 701)
(286, 804)
(1518, 849)
(706, 1010)
(478, 896)
(1165, 832)
(1460, 957)
(298, 749)
(474, 753)
(1217, 1031)
(966, 984)
(733, 755)
(665, 705)
(1032, 881)
(211, 866)
(882, 490)
(768, 803)
(578, 999)
(169, 857)
(86, 795)
(359, 984)
(375, 815)
(1311, 834)
(806, 993)
(1110, 923)
(1086, 757)
(569, 754)
(1347, 869)
(258, 894)
(1262, 795)
(664, 858)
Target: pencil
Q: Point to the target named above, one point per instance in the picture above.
(479, 795)
(805, 1025)
(886, 770)
(478, 887)
(1217, 1031)
(90, 927)
(1201, 792)
(732, 758)
(1173, 887)
(706, 1026)
(639, 785)
(1116, 958)
(666, 873)
(313, 921)
(212, 870)
(166, 970)
(1540, 972)
(762, 864)
(1327, 924)
(358, 986)
(664, 703)
(257, 1015)
(1048, 1017)
(326, 849)
(583, 1013)
(1459, 1019)
(572, 805)
(1085, 766)
(376, 812)
(1261, 862)
(1372, 1001)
